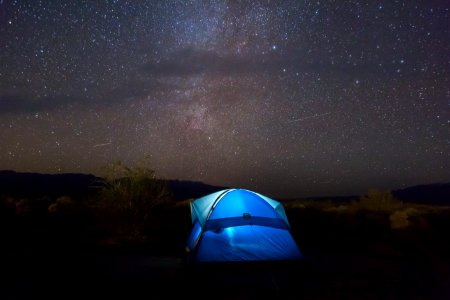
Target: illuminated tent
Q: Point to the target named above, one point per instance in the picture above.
(240, 225)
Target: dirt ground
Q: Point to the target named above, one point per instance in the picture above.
(346, 257)
(134, 275)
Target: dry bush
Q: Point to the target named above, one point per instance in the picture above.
(399, 219)
(130, 194)
(23, 207)
(62, 204)
(402, 219)
(379, 201)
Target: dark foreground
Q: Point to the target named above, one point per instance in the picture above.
(118, 274)
(348, 256)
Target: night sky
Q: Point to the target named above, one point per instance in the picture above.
(287, 98)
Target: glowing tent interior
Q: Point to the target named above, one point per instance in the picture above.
(240, 225)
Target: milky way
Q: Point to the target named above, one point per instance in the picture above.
(288, 98)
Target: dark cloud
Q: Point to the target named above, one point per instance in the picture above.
(190, 61)
(17, 103)
(128, 91)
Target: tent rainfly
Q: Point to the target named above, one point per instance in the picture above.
(240, 225)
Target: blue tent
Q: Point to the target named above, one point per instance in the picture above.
(240, 225)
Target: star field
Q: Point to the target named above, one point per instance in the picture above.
(288, 98)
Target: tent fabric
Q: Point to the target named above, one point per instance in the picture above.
(246, 243)
(240, 225)
(202, 206)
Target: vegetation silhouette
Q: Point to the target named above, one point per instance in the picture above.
(127, 232)
(130, 194)
(379, 200)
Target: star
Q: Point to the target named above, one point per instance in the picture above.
(323, 102)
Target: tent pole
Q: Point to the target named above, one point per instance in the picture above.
(209, 214)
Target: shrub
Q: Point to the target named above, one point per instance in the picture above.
(62, 204)
(399, 219)
(131, 194)
(378, 200)
(403, 218)
(23, 207)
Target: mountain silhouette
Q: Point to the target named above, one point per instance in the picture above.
(437, 194)
(73, 184)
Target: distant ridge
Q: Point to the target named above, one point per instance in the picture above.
(39, 185)
(432, 194)
(54, 185)
(19, 184)
(437, 194)
(191, 189)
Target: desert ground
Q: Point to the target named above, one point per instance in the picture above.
(64, 250)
